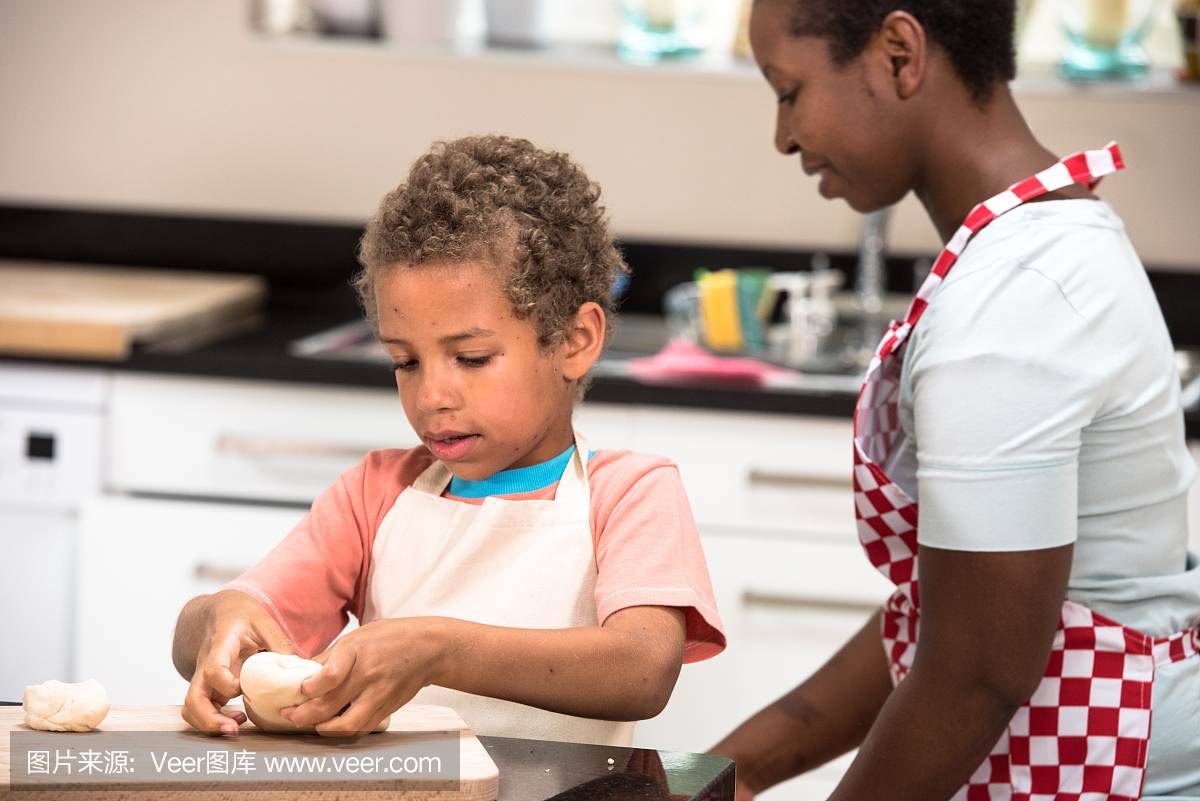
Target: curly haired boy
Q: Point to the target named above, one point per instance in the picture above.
(502, 568)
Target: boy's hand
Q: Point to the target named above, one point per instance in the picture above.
(374, 670)
(232, 627)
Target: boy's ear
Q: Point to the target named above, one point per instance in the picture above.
(901, 40)
(584, 341)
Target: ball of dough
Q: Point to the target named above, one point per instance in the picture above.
(58, 706)
(271, 682)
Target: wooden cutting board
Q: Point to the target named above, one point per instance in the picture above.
(92, 312)
(479, 777)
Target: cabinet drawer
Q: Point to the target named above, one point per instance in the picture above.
(244, 439)
(139, 562)
(758, 470)
(787, 605)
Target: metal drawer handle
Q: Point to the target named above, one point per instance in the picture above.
(752, 598)
(218, 573)
(768, 478)
(265, 446)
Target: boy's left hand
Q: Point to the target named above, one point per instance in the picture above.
(367, 675)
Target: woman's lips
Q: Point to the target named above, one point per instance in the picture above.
(449, 449)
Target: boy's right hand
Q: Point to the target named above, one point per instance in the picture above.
(232, 627)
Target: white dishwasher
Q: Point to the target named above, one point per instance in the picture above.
(202, 478)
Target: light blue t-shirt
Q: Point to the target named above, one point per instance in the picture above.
(1040, 398)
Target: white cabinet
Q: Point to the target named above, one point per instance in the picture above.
(787, 605)
(764, 471)
(139, 562)
(771, 494)
(252, 440)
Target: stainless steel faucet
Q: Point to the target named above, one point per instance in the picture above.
(871, 282)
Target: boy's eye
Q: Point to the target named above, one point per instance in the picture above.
(790, 97)
(474, 361)
(405, 366)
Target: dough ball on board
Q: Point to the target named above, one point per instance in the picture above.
(271, 682)
(58, 706)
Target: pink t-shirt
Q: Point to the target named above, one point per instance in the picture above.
(647, 548)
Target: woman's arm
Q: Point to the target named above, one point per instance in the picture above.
(987, 625)
(821, 719)
(623, 670)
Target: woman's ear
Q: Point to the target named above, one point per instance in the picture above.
(901, 40)
(584, 341)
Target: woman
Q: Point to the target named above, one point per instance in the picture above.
(1030, 403)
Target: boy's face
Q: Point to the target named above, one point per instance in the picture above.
(477, 387)
(843, 121)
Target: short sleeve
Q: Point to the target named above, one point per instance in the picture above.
(1000, 379)
(648, 550)
(316, 577)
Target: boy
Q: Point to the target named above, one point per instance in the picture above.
(502, 569)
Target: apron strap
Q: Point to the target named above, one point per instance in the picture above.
(573, 486)
(434, 479)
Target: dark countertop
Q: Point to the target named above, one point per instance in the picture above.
(263, 354)
(544, 770)
(536, 770)
(309, 263)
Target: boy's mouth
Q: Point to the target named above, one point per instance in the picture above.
(448, 448)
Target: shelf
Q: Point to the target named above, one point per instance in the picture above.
(1036, 79)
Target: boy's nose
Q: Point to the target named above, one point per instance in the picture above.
(436, 392)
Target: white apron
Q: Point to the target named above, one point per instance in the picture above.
(523, 564)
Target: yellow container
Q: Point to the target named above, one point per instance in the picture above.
(719, 306)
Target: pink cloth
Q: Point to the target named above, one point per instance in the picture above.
(681, 359)
(647, 548)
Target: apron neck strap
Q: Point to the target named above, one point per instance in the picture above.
(573, 486)
(1086, 167)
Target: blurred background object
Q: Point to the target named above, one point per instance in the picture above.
(656, 29)
(422, 22)
(515, 23)
(1104, 38)
(1188, 13)
(346, 17)
(1089, 40)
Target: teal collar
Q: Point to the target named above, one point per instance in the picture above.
(514, 482)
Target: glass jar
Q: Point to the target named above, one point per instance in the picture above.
(1104, 38)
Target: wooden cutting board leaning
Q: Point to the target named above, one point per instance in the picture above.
(415, 729)
(94, 312)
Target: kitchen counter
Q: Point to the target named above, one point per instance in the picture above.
(529, 770)
(308, 266)
(533, 770)
(263, 354)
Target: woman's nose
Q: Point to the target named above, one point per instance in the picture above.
(785, 140)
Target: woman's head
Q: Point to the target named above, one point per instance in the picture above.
(532, 214)
(867, 90)
(977, 35)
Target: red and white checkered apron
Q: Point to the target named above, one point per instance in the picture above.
(1084, 733)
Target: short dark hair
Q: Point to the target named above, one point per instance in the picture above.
(976, 34)
(532, 214)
